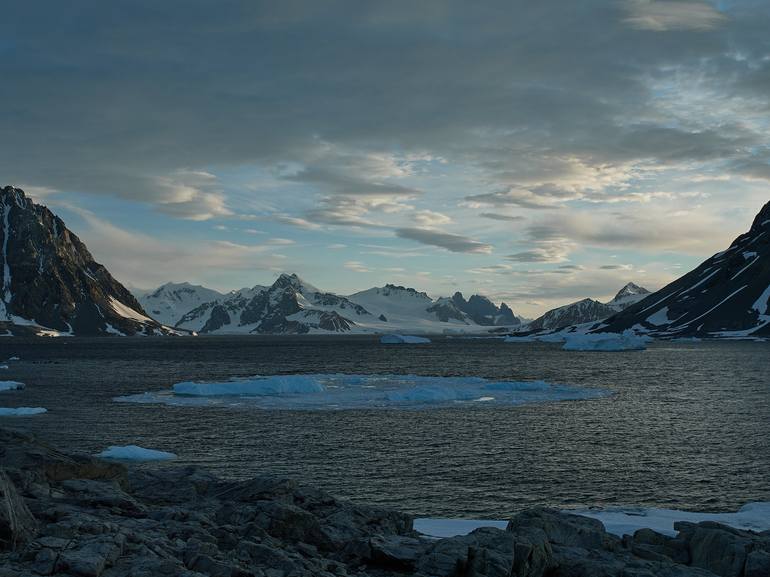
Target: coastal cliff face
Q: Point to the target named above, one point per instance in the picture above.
(49, 278)
(727, 296)
(70, 515)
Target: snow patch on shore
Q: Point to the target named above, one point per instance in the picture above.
(341, 391)
(135, 453)
(620, 521)
(752, 516)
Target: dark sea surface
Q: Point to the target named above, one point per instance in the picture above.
(688, 426)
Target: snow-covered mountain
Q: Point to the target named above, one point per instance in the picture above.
(627, 296)
(727, 296)
(51, 284)
(289, 306)
(588, 310)
(170, 302)
(294, 306)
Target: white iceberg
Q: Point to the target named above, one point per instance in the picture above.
(612, 342)
(621, 521)
(134, 453)
(341, 391)
(21, 411)
(403, 339)
(255, 386)
(10, 385)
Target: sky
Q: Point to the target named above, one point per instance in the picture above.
(534, 152)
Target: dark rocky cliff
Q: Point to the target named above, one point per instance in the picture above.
(50, 279)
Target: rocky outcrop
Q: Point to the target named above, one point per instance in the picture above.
(585, 311)
(484, 312)
(51, 281)
(69, 515)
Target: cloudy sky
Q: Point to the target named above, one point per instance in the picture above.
(536, 152)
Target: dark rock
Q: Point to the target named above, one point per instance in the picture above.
(17, 525)
(484, 552)
(54, 281)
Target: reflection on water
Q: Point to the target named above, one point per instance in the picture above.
(686, 429)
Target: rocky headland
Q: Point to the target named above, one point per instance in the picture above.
(74, 515)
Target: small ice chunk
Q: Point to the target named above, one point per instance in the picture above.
(403, 339)
(612, 342)
(135, 453)
(21, 411)
(10, 385)
(256, 386)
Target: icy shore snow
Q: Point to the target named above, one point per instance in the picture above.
(135, 453)
(341, 391)
(621, 521)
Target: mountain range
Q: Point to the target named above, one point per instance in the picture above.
(588, 310)
(51, 285)
(291, 305)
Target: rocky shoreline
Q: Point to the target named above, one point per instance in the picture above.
(74, 515)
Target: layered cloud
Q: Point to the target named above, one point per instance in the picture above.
(523, 133)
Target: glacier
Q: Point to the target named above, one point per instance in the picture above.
(361, 391)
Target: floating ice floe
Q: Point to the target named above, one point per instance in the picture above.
(340, 391)
(613, 342)
(10, 385)
(134, 453)
(626, 521)
(258, 386)
(21, 411)
(403, 340)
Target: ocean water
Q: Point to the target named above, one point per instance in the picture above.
(686, 426)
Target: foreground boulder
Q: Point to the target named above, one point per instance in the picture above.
(70, 515)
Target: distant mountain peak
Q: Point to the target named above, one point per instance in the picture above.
(631, 289)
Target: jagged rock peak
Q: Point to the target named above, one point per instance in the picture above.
(631, 289)
(762, 219)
